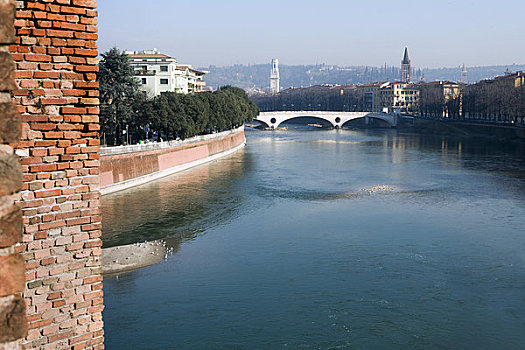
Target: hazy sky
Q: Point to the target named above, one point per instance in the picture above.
(343, 32)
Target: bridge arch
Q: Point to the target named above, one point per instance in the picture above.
(371, 119)
(332, 119)
(263, 123)
(308, 118)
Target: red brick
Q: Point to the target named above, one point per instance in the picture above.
(43, 126)
(42, 167)
(37, 58)
(59, 33)
(53, 135)
(53, 101)
(73, 110)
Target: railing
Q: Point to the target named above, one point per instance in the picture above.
(518, 123)
(151, 146)
(145, 72)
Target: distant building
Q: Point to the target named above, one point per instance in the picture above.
(274, 77)
(372, 96)
(405, 68)
(159, 73)
(513, 79)
(189, 80)
(435, 97)
(400, 97)
(464, 75)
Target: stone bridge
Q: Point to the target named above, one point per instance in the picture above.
(336, 119)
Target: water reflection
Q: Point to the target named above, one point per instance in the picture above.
(296, 255)
(186, 204)
(177, 207)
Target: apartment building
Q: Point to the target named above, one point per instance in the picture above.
(434, 98)
(158, 73)
(372, 96)
(399, 97)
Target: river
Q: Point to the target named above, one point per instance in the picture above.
(291, 244)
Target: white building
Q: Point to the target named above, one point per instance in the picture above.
(159, 73)
(400, 97)
(189, 80)
(274, 77)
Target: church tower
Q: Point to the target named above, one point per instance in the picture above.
(274, 77)
(405, 68)
(464, 76)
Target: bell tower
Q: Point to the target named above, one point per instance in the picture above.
(274, 77)
(464, 75)
(405, 68)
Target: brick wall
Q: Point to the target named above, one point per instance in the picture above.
(57, 98)
(13, 325)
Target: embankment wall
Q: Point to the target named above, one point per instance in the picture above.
(124, 167)
(470, 129)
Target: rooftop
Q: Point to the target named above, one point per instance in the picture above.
(148, 54)
(406, 60)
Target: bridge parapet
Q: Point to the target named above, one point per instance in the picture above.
(336, 119)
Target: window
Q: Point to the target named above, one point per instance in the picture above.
(164, 81)
(144, 81)
(163, 68)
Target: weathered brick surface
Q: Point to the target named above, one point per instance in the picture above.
(13, 324)
(10, 227)
(7, 33)
(6, 72)
(11, 274)
(10, 174)
(10, 126)
(57, 97)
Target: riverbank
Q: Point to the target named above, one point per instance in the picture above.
(127, 166)
(127, 258)
(468, 129)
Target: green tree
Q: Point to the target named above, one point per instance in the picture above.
(118, 90)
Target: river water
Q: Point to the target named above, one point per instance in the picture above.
(288, 245)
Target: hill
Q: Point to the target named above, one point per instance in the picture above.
(258, 76)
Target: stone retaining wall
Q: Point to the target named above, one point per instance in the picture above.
(124, 170)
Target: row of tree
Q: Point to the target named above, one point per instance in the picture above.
(128, 116)
(497, 100)
(177, 116)
(494, 100)
(316, 98)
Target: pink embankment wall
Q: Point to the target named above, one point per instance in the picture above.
(122, 167)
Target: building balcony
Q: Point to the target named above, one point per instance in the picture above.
(143, 72)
